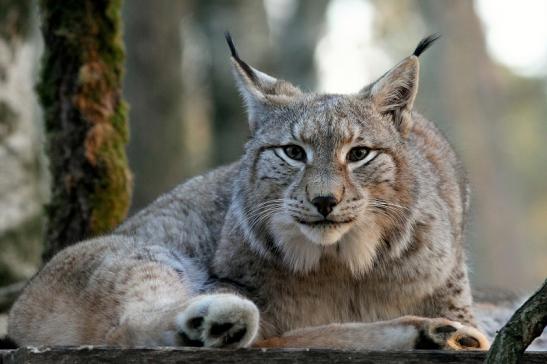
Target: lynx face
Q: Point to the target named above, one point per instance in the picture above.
(326, 174)
(324, 161)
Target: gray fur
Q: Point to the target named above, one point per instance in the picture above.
(393, 245)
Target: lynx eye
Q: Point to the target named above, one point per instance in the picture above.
(295, 152)
(360, 156)
(357, 154)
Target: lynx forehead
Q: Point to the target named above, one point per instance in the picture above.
(327, 121)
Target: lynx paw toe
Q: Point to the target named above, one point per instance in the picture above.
(220, 320)
(445, 334)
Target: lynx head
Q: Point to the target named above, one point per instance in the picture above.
(327, 174)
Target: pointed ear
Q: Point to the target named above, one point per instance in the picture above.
(259, 90)
(394, 93)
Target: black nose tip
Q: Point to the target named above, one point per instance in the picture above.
(324, 204)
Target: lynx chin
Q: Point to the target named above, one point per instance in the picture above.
(341, 226)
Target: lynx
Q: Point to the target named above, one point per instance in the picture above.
(341, 226)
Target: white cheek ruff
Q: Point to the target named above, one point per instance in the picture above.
(370, 156)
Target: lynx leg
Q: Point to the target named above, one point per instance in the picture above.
(405, 333)
(114, 292)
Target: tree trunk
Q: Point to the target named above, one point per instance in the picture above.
(466, 95)
(85, 119)
(212, 19)
(21, 175)
(525, 325)
(154, 88)
(296, 43)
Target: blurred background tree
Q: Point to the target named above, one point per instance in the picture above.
(22, 177)
(186, 115)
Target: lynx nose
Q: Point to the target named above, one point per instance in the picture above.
(324, 204)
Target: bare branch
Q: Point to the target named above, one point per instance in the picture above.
(525, 325)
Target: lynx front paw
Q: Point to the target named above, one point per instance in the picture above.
(219, 320)
(440, 333)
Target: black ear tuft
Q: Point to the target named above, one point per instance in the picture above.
(425, 43)
(230, 42)
(246, 68)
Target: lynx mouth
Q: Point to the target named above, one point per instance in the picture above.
(324, 222)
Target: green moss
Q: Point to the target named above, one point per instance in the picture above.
(112, 194)
(119, 121)
(86, 118)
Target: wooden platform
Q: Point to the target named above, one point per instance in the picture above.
(246, 356)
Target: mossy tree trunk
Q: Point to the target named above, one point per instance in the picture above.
(85, 118)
